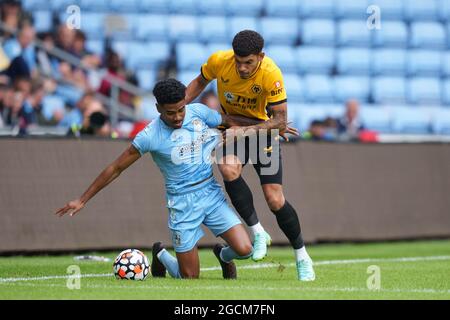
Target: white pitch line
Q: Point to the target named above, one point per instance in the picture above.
(252, 266)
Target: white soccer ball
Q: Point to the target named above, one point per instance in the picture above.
(131, 264)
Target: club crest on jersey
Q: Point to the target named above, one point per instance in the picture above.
(198, 124)
(256, 89)
(229, 96)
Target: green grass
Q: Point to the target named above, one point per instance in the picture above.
(410, 279)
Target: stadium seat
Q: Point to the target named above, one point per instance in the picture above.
(284, 57)
(187, 76)
(146, 78)
(50, 104)
(294, 87)
(183, 6)
(95, 46)
(389, 90)
(190, 56)
(282, 8)
(217, 46)
(279, 30)
(427, 35)
(124, 6)
(215, 7)
(351, 9)
(424, 90)
(315, 59)
(389, 9)
(349, 87)
(441, 121)
(353, 33)
(424, 62)
(409, 120)
(154, 6)
(389, 62)
(121, 26)
(32, 5)
(93, 24)
(244, 8)
(147, 55)
(446, 92)
(183, 28)
(316, 9)
(70, 94)
(353, 61)
(317, 32)
(318, 88)
(152, 27)
(444, 10)
(94, 6)
(421, 10)
(303, 114)
(241, 23)
(42, 21)
(446, 64)
(392, 34)
(376, 118)
(59, 5)
(213, 28)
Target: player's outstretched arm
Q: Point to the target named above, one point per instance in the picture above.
(194, 88)
(111, 172)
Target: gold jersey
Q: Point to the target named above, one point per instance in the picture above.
(247, 97)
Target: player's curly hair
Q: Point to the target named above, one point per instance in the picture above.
(247, 42)
(169, 91)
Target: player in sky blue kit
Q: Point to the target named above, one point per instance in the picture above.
(180, 142)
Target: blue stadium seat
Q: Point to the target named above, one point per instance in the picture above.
(284, 57)
(349, 87)
(441, 121)
(315, 59)
(42, 21)
(50, 104)
(190, 56)
(294, 87)
(241, 23)
(391, 34)
(279, 30)
(353, 33)
(152, 27)
(95, 46)
(94, 6)
(389, 62)
(154, 6)
(183, 28)
(351, 9)
(318, 32)
(215, 7)
(389, 90)
(421, 10)
(446, 92)
(58, 5)
(444, 10)
(316, 9)
(424, 62)
(354, 61)
(217, 46)
(282, 8)
(147, 55)
(32, 5)
(389, 9)
(146, 78)
(303, 114)
(183, 6)
(244, 8)
(409, 120)
(446, 64)
(124, 6)
(427, 35)
(424, 90)
(318, 88)
(376, 118)
(187, 76)
(123, 26)
(93, 24)
(213, 28)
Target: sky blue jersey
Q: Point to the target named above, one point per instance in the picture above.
(182, 155)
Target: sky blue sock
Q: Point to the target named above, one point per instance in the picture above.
(170, 262)
(227, 254)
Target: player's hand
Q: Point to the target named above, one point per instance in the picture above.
(232, 133)
(72, 207)
(290, 130)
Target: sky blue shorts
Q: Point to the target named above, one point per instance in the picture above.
(206, 204)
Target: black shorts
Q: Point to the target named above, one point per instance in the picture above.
(261, 154)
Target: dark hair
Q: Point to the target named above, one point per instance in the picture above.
(97, 120)
(247, 42)
(169, 91)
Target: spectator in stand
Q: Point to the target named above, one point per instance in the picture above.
(210, 99)
(88, 59)
(349, 125)
(13, 16)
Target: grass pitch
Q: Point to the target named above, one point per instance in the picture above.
(407, 270)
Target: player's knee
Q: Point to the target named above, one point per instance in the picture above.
(275, 201)
(230, 172)
(190, 274)
(244, 249)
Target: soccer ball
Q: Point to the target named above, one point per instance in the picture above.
(131, 264)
